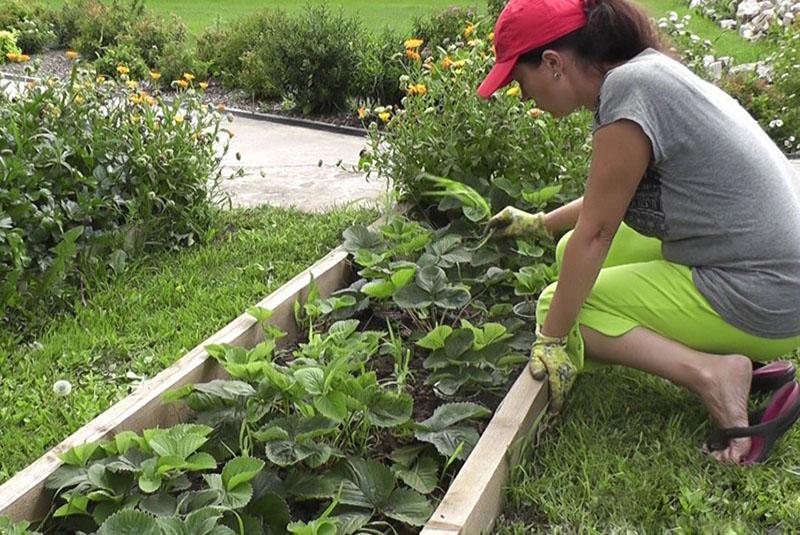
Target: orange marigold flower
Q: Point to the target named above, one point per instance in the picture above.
(12, 56)
(100, 79)
(122, 69)
(132, 84)
(411, 54)
(446, 63)
(362, 112)
(203, 85)
(22, 58)
(188, 76)
(491, 36)
(535, 113)
(155, 75)
(183, 84)
(469, 30)
(413, 43)
(384, 116)
(71, 54)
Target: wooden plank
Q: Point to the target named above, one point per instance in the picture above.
(24, 497)
(475, 498)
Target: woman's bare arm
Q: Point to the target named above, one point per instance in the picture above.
(563, 218)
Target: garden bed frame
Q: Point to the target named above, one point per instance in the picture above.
(470, 506)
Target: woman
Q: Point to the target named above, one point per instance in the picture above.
(704, 273)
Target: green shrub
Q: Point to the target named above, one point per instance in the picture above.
(81, 189)
(178, 59)
(125, 55)
(151, 35)
(8, 44)
(446, 27)
(313, 58)
(495, 7)
(505, 149)
(13, 12)
(100, 25)
(380, 67)
(33, 35)
(231, 52)
(66, 21)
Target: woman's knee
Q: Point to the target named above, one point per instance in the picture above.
(560, 247)
(543, 303)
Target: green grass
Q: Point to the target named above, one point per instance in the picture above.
(625, 456)
(397, 14)
(143, 321)
(726, 42)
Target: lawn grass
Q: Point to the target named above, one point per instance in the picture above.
(143, 321)
(626, 457)
(399, 14)
(726, 42)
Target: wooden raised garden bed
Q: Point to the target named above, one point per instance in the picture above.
(471, 504)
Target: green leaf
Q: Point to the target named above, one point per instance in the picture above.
(451, 413)
(274, 511)
(79, 455)
(389, 409)
(403, 276)
(431, 279)
(468, 197)
(311, 379)
(379, 288)
(159, 505)
(200, 461)
(76, 505)
(130, 522)
(458, 342)
(260, 314)
(240, 470)
(435, 339)
(333, 406)
(406, 455)
(66, 476)
(422, 477)
(367, 484)
(412, 296)
(452, 440)
(453, 298)
(203, 520)
(149, 483)
(360, 237)
(409, 507)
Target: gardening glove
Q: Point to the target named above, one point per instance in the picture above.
(512, 222)
(549, 359)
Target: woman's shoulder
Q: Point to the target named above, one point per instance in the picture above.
(650, 69)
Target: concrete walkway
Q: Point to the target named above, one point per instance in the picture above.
(294, 166)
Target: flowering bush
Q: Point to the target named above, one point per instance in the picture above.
(117, 55)
(380, 66)
(505, 149)
(93, 171)
(33, 35)
(451, 26)
(8, 45)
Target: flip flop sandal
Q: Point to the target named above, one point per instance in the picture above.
(767, 426)
(770, 377)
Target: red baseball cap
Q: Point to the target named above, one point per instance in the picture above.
(526, 25)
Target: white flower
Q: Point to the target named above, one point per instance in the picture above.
(673, 16)
(62, 387)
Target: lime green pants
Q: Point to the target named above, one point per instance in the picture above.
(637, 287)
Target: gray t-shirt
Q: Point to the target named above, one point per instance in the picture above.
(718, 193)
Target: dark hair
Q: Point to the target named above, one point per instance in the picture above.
(615, 31)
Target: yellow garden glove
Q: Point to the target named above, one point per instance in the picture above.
(512, 222)
(549, 359)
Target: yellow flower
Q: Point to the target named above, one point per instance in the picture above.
(178, 119)
(79, 100)
(494, 50)
(135, 118)
(362, 112)
(491, 36)
(203, 85)
(535, 113)
(71, 54)
(459, 64)
(136, 99)
(384, 116)
(156, 127)
(469, 30)
(122, 69)
(131, 84)
(22, 58)
(155, 75)
(514, 91)
(188, 76)
(12, 56)
(411, 54)
(31, 85)
(446, 63)
(413, 43)
(150, 101)
(183, 84)
(100, 79)
(421, 89)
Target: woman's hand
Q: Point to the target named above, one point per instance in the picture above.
(512, 222)
(549, 359)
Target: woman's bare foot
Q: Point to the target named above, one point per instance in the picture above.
(724, 390)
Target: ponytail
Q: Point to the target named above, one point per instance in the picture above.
(615, 31)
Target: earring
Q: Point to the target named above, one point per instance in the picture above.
(557, 75)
